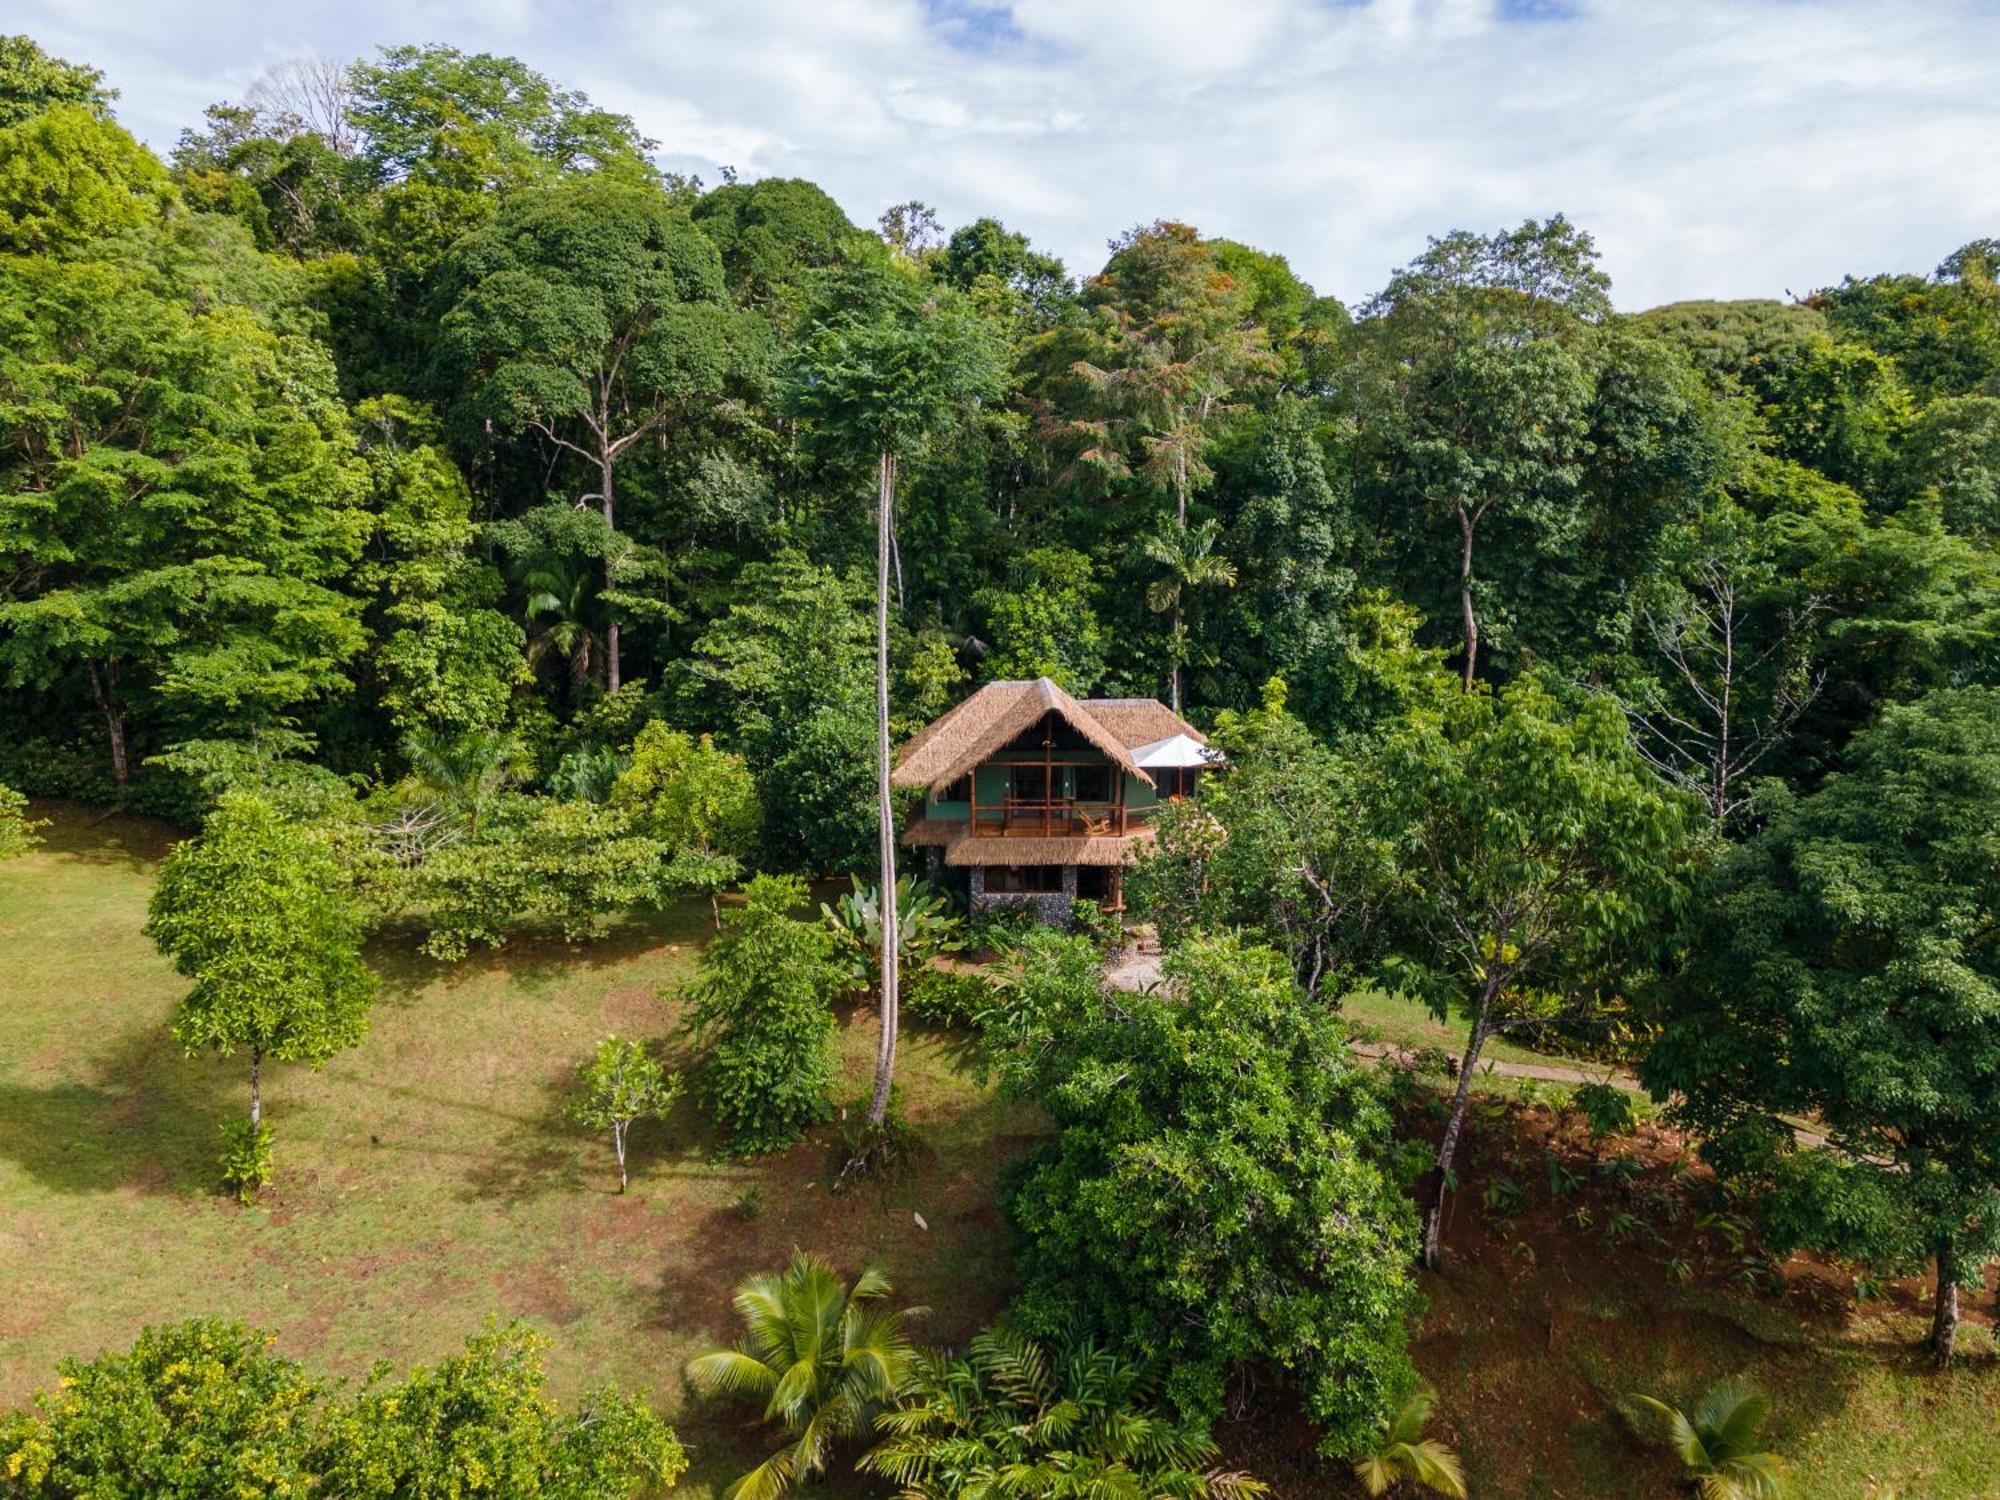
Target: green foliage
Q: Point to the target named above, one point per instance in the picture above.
(688, 794)
(537, 864)
(820, 1355)
(925, 927)
(948, 997)
(32, 81)
(763, 1007)
(256, 913)
(196, 1411)
(69, 176)
(246, 1158)
(1606, 1109)
(204, 1411)
(481, 1422)
(1718, 1443)
(618, 1085)
(1406, 1456)
(1840, 967)
(1222, 1189)
(1066, 1420)
(1279, 845)
(17, 829)
(1044, 624)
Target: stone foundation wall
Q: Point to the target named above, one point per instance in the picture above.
(1055, 908)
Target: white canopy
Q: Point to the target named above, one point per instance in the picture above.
(1177, 750)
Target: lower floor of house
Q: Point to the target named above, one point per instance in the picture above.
(1050, 891)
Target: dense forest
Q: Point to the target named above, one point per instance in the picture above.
(408, 452)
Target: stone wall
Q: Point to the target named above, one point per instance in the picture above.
(1051, 907)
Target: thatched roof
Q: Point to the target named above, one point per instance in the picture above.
(976, 729)
(1078, 850)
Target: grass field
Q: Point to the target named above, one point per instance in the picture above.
(428, 1182)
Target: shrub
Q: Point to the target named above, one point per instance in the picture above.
(246, 1158)
(948, 997)
(762, 1006)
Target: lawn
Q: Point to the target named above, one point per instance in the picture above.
(428, 1182)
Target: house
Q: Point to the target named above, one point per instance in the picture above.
(1043, 799)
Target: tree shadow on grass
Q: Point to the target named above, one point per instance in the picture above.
(144, 1118)
(534, 962)
(104, 835)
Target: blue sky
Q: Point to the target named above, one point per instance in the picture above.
(1714, 147)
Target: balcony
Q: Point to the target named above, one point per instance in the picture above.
(1033, 818)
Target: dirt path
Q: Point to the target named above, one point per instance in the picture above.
(1545, 1072)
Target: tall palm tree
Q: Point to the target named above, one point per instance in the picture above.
(1188, 557)
(1720, 1443)
(822, 1356)
(1406, 1456)
(561, 613)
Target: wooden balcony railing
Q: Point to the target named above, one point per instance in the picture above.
(1027, 818)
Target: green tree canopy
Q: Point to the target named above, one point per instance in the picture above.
(1842, 967)
(1221, 1191)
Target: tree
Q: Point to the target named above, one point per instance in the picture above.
(1842, 968)
(255, 912)
(539, 862)
(1280, 847)
(1539, 851)
(181, 500)
(884, 369)
(591, 313)
(1065, 1420)
(762, 1005)
(32, 81)
(1717, 1443)
(1043, 622)
(620, 1084)
(1187, 560)
(1221, 1190)
(68, 176)
(823, 1357)
(1406, 1456)
(465, 772)
(688, 794)
(1732, 643)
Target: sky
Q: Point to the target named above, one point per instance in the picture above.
(1714, 148)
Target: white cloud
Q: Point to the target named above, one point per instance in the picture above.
(1715, 147)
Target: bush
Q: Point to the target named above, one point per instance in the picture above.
(762, 1006)
(246, 1158)
(948, 997)
(1223, 1189)
(204, 1410)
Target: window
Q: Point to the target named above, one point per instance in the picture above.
(1031, 783)
(1092, 783)
(959, 791)
(1023, 880)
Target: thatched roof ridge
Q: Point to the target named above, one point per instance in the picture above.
(1140, 721)
(977, 728)
(1079, 849)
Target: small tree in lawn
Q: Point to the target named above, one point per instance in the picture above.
(255, 912)
(1538, 850)
(621, 1084)
(762, 1005)
(890, 362)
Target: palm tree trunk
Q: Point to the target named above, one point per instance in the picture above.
(1465, 598)
(885, 1056)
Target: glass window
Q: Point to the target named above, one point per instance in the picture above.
(1024, 880)
(1092, 783)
